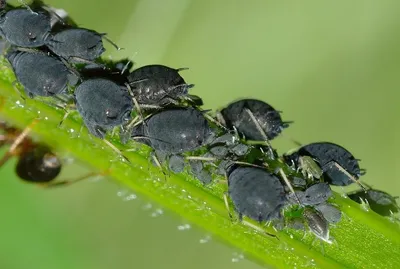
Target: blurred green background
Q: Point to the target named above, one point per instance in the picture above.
(331, 66)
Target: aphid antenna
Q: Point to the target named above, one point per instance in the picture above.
(104, 35)
(344, 171)
(25, 5)
(17, 90)
(294, 141)
(114, 148)
(125, 67)
(21, 137)
(158, 163)
(211, 119)
(260, 130)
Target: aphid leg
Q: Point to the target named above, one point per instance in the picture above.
(80, 60)
(108, 143)
(332, 164)
(18, 140)
(227, 206)
(72, 181)
(288, 184)
(261, 131)
(258, 229)
(18, 91)
(157, 162)
(25, 5)
(64, 118)
(104, 35)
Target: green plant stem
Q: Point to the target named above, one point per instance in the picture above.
(364, 239)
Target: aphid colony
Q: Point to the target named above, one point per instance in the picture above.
(152, 105)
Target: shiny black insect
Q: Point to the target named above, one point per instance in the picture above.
(103, 104)
(41, 74)
(338, 165)
(255, 119)
(156, 86)
(77, 44)
(380, 202)
(24, 28)
(37, 163)
(174, 131)
(256, 193)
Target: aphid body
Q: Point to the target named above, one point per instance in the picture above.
(256, 193)
(76, 44)
(40, 74)
(158, 86)
(174, 131)
(24, 28)
(242, 115)
(103, 104)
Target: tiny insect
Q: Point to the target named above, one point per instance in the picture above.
(329, 212)
(41, 74)
(174, 131)
(156, 86)
(256, 193)
(37, 163)
(339, 166)
(380, 202)
(77, 44)
(103, 104)
(317, 224)
(255, 119)
(24, 28)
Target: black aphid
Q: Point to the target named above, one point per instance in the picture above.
(174, 131)
(155, 86)
(255, 119)
(256, 193)
(77, 44)
(103, 104)
(24, 28)
(380, 202)
(40, 73)
(338, 165)
(314, 195)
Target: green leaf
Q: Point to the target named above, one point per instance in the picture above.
(364, 239)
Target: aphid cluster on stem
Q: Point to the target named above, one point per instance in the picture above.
(152, 105)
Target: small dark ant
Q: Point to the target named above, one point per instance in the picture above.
(36, 161)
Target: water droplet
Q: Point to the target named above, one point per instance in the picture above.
(130, 197)
(184, 227)
(205, 240)
(237, 257)
(157, 212)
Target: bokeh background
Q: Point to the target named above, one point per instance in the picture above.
(331, 66)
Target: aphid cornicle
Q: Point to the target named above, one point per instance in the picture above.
(41, 74)
(255, 119)
(339, 166)
(103, 104)
(24, 28)
(174, 131)
(156, 86)
(255, 193)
